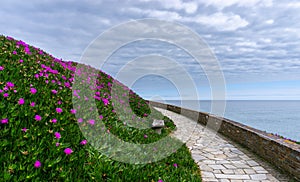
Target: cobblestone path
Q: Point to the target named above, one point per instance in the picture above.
(218, 158)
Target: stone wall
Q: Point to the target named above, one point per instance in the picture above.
(281, 153)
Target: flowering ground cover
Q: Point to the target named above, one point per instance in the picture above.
(40, 137)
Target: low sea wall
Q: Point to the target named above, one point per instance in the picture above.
(281, 153)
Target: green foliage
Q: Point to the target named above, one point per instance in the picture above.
(25, 139)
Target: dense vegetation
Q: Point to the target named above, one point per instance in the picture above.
(40, 137)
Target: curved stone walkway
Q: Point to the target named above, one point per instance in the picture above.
(219, 159)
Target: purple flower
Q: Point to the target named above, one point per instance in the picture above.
(100, 117)
(57, 135)
(32, 104)
(37, 164)
(145, 136)
(38, 117)
(160, 180)
(54, 120)
(24, 129)
(21, 61)
(15, 91)
(68, 151)
(57, 144)
(59, 110)
(80, 120)
(59, 102)
(5, 95)
(10, 84)
(14, 52)
(1, 68)
(21, 101)
(175, 165)
(33, 90)
(105, 101)
(4, 121)
(92, 122)
(54, 91)
(73, 111)
(83, 142)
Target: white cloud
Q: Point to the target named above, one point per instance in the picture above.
(270, 22)
(246, 43)
(295, 4)
(222, 22)
(188, 7)
(221, 4)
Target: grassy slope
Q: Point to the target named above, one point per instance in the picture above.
(28, 67)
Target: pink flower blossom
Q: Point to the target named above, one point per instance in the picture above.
(57, 135)
(15, 91)
(57, 144)
(54, 91)
(59, 110)
(145, 136)
(21, 61)
(14, 52)
(1, 91)
(105, 101)
(92, 122)
(37, 164)
(160, 180)
(24, 129)
(54, 120)
(38, 117)
(10, 84)
(59, 102)
(5, 95)
(33, 90)
(83, 142)
(21, 101)
(4, 121)
(175, 165)
(68, 151)
(73, 111)
(100, 117)
(32, 104)
(80, 120)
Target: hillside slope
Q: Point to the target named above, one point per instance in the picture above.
(40, 137)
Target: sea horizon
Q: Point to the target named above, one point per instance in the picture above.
(272, 116)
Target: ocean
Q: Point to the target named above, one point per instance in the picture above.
(273, 116)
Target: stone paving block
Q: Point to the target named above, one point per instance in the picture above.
(262, 172)
(205, 167)
(217, 171)
(258, 168)
(224, 180)
(258, 176)
(239, 171)
(205, 174)
(227, 171)
(198, 157)
(223, 162)
(249, 171)
(252, 163)
(232, 176)
(216, 166)
(229, 166)
(209, 161)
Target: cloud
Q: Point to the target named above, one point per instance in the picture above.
(188, 7)
(220, 21)
(221, 4)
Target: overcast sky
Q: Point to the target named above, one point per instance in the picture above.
(256, 42)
